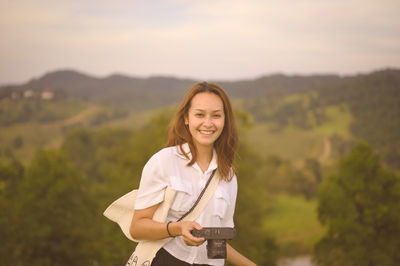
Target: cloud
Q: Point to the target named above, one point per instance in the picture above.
(205, 39)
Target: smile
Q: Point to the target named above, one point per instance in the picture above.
(207, 132)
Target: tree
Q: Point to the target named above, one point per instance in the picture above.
(50, 215)
(113, 160)
(18, 142)
(360, 208)
(11, 173)
(251, 205)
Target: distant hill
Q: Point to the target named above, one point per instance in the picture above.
(120, 89)
(156, 91)
(373, 98)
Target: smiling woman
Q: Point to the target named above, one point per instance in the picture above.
(205, 97)
(206, 116)
(205, 120)
(202, 142)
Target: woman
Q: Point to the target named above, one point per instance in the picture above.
(202, 138)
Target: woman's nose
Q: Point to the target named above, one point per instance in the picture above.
(207, 122)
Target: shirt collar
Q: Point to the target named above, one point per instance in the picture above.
(185, 147)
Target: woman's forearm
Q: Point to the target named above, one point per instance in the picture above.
(144, 228)
(235, 258)
(147, 229)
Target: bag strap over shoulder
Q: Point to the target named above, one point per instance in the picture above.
(211, 190)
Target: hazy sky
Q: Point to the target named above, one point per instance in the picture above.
(218, 39)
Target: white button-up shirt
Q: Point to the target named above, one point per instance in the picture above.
(169, 167)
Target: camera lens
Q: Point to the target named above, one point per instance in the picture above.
(216, 249)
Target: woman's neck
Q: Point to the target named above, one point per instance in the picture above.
(204, 156)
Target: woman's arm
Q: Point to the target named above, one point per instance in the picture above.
(235, 258)
(144, 228)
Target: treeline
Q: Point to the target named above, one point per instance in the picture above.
(137, 93)
(36, 110)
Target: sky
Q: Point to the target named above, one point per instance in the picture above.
(204, 40)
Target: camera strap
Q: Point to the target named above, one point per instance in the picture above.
(206, 197)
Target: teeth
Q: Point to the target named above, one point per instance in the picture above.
(206, 132)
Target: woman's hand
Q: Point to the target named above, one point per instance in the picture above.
(185, 228)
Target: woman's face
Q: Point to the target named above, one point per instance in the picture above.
(205, 119)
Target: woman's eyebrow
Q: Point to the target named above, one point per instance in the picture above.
(214, 111)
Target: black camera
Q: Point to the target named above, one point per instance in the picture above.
(216, 240)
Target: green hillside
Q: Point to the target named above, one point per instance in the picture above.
(27, 126)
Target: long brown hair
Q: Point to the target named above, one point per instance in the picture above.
(226, 143)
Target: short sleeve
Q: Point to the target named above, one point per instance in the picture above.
(227, 221)
(152, 184)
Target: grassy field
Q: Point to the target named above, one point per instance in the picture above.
(289, 143)
(296, 144)
(34, 137)
(293, 222)
(338, 122)
(136, 120)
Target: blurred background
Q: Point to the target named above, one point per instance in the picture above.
(87, 90)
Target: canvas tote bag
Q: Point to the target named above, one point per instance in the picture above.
(121, 211)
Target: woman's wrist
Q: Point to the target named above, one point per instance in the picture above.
(168, 230)
(174, 228)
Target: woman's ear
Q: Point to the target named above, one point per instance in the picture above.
(186, 120)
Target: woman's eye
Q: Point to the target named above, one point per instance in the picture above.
(217, 116)
(199, 115)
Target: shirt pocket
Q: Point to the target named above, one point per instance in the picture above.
(222, 201)
(183, 199)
